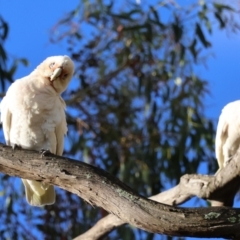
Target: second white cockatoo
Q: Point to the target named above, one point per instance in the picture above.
(33, 117)
(228, 133)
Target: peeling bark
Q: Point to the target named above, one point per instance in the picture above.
(102, 189)
(218, 188)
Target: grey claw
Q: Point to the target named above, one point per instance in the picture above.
(15, 147)
(44, 152)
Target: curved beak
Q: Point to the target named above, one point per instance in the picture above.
(56, 73)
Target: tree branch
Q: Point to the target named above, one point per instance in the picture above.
(220, 188)
(102, 189)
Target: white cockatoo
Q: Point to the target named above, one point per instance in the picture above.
(228, 133)
(33, 117)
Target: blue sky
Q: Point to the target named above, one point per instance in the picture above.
(30, 24)
(31, 21)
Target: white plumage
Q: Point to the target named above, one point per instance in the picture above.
(33, 117)
(228, 133)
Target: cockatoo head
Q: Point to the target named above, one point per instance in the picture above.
(57, 72)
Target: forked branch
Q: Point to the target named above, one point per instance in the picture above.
(102, 189)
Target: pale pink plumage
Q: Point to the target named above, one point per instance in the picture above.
(33, 116)
(228, 133)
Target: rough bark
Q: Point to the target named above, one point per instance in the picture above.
(100, 188)
(220, 188)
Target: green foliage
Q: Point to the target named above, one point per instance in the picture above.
(6, 72)
(136, 109)
(139, 106)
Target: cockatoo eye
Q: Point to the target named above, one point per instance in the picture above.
(65, 75)
(52, 64)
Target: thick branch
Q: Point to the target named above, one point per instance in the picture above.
(100, 188)
(221, 188)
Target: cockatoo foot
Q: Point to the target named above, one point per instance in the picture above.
(44, 152)
(228, 161)
(15, 147)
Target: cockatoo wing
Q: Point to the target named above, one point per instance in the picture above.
(6, 118)
(61, 130)
(227, 144)
(221, 137)
(228, 133)
(37, 193)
